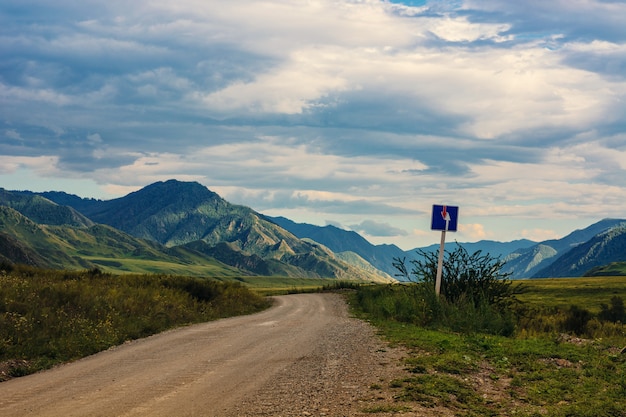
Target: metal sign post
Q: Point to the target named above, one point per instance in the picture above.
(444, 218)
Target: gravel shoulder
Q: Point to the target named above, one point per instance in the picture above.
(304, 356)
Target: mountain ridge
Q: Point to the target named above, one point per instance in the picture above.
(98, 246)
(189, 220)
(528, 262)
(339, 240)
(175, 214)
(605, 248)
(43, 210)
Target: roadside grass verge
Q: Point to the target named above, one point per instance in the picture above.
(48, 317)
(539, 369)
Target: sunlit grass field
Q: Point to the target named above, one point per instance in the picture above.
(263, 285)
(587, 293)
(135, 265)
(266, 285)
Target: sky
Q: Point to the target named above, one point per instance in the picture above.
(362, 114)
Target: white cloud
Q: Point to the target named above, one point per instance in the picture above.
(460, 29)
(348, 111)
(373, 228)
(473, 231)
(46, 95)
(289, 90)
(94, 138)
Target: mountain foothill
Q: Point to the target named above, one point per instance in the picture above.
(185, 228)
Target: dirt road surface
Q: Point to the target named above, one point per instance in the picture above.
(304, 356)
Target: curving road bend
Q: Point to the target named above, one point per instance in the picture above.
(297, 357)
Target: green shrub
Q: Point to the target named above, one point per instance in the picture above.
(615, 313)
(576, 320)
(475, 295)
(476, 278)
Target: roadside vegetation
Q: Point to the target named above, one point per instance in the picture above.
(48, 316)
(489, 346)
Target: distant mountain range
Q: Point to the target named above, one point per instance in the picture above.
(523, 258)
(382, 256)
(573, 255)
(606, 248)
(343, 241)
(183, 227)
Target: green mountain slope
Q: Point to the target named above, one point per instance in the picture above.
(28, 242)
(171, 213)
(68, 247)
(42, 210)
(533, 261)
(12, 251)
(175, 213)
(231, 255)
(612, 269)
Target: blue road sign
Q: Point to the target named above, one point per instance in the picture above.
(445, 218)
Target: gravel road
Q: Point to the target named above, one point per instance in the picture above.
(304, 356)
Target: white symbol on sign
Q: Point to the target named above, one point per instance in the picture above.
(446, 216)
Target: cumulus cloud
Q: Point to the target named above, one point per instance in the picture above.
(372, 228)
(330, 109)
(473, 231)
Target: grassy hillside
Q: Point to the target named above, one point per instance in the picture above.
(67, 247)
(33, 244)
(612, 269)
(275, 285)
(41, 210)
